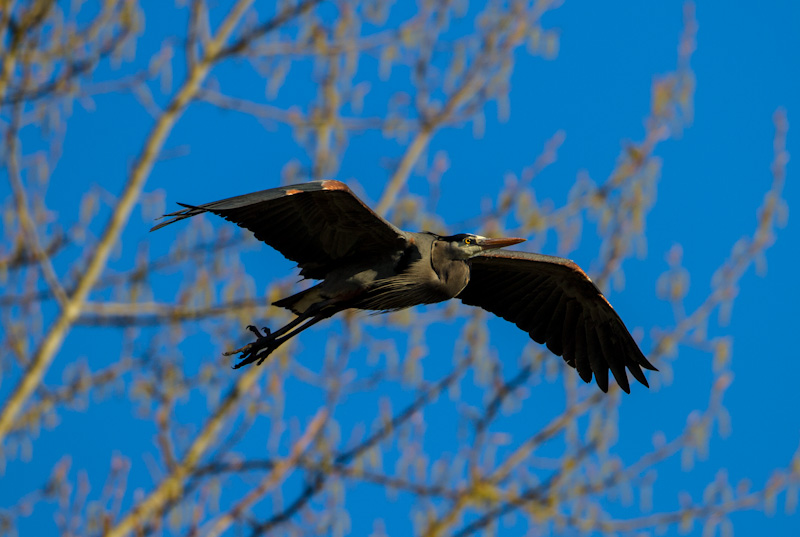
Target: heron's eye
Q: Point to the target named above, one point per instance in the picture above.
(468, 240)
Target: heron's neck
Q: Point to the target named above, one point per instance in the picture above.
(453, 274)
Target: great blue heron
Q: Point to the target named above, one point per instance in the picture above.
(366, 263)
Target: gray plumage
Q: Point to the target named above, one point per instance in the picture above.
(366, 263)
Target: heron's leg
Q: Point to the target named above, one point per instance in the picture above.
(268, 335)
(260, 349)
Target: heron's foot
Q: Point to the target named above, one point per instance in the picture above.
(256, 351)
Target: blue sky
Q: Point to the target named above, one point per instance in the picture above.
(597, 91)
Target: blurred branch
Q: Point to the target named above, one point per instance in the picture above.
(474, 84)
(125, 315)
(71, 310)
(17, 30)
(48, 399)
(481, 485)
(26, 220)
(539, 494)
(316, 466)
(175, 256)
(346, 457)
(53, 55)
(406, 31)
(277, 474)
(172, 485)
(73, 70)
(294, 117)
(22, 257)
(241, 44)
(744, 253)
(403, 171)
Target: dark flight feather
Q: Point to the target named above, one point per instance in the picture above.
(314, 224)
(560, 307)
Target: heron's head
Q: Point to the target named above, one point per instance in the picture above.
(466, 245)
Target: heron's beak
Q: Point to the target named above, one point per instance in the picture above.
(491, 244)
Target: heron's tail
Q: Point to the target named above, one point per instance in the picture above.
(300, 302)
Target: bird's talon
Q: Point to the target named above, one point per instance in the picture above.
(256, 351)
(254, 330)
(258, 334)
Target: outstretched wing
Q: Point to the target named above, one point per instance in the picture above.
(553, 300)
(315, 224)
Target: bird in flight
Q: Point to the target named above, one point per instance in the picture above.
(366, 263)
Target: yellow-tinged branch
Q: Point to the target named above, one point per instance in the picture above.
(72, 308)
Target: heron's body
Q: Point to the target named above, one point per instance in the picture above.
(419, 274)
(366, 263)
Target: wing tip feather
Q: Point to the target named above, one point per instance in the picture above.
(187, 212)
